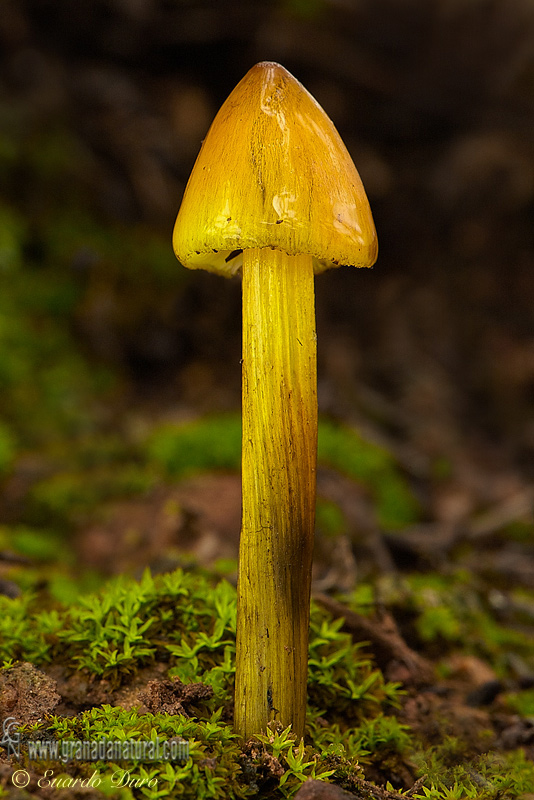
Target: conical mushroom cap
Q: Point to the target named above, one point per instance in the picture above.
(273, 172)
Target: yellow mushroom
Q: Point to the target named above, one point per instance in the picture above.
(275, 195)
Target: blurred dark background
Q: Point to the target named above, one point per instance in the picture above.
(103, 106)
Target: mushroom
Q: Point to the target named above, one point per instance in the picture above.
(275, 195)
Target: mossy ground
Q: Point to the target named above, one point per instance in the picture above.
(102, 642)
(104, 649)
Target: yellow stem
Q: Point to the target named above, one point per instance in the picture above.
(279, 458)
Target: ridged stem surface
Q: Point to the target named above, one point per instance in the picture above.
(279, 455)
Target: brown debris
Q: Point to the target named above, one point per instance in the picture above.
(173, 696)
(434, 718)
(201, 517)
(79, 691)
(517, 732)
(318, 790)
(26, 693)
(255, 761)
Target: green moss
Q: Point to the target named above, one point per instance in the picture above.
(84, 472)
(340, 678)
(215, 766)
(211, 770)
(46, 387)
(187, 621)
(12, 235)
(374, 740)
(21, 637)
(35, 544)
(7, 449)
(212, 443)
(346, 450)
(521, 702)
(442, 468)
(48, 565)
(329, 519)
(438, 621)
(8, 149)
(363, 599)
(519, 530)
(68, 495)
(492, 776)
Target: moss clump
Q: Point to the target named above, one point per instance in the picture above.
(212, 443)
(187, 622)
(34, 544)
(493, 776)
(345, 449)
(209, 764)
(340, 678)
(522, 702)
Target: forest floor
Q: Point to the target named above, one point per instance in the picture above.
(120, 395)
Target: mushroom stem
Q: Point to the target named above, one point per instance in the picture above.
(279, 459)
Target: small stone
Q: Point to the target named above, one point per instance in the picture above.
(319, 790)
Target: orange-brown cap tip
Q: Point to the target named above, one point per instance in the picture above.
(273, 172)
